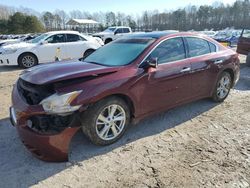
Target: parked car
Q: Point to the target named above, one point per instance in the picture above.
(17, 39)
(209, 33)
(113, 33)
(48, 47)
(244, 45)
(227, 38)
(126, 80)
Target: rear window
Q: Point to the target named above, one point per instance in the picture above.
(73, 38)
(126, 30)
(197, 46)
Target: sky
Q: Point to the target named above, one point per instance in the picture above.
(126, 6)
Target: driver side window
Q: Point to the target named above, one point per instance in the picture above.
(169, 50)
(59, 38)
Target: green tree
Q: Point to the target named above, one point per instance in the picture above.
(16, 23)
(32, 25)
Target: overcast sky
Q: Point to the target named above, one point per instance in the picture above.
(126, 6)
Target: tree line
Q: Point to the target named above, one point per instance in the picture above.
(217, 16)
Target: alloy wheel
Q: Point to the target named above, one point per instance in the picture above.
(110, 122)
(223, 87)
(28, 61)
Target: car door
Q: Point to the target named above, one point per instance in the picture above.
(52, 48)
(203, 59)
(244, 42)
(75, 45)
(169, 84)
(118, 33)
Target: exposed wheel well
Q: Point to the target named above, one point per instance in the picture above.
(27, 53)
(231, 72)
(88, 50)
(127, 100)
(108, 40)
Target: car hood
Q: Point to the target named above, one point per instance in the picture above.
(65, 70)
(19, 45)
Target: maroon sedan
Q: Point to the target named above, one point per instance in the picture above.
(126, 80)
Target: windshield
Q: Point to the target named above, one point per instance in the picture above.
(120, 52)
(39, 38)
(110, 29)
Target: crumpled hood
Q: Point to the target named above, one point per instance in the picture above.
(65, 70)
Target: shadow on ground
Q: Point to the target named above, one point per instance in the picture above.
(9, 68)
(19, 168)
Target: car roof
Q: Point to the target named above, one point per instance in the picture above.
(63, 32)
(155, 34)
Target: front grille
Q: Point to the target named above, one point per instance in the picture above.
(33, 94)
(50, 123)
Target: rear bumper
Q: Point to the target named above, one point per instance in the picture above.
(47, 147)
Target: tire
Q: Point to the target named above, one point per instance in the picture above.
(88, 52)
(107, 41)
(27, 60)
(248, 60)
(223, 86)
(97, 125)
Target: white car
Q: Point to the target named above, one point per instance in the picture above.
(113, 33)
(49, 47)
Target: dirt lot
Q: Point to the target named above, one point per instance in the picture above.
(202, 144)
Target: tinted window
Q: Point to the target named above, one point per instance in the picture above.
(119, 30)
(169, 50)
(246, 33)
(56, 38)
(126, 30)
(73, 38)
(212, 47)
(197, 46)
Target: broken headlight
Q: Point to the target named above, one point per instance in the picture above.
(60, 103)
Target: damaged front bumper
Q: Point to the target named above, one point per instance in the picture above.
(48, 146)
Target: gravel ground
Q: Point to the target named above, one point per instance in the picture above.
(202, 144)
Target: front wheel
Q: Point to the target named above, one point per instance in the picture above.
(27, 60)
(223, 87)
(106, 121)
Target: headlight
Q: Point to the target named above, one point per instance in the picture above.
(60, 104)
(9, 51)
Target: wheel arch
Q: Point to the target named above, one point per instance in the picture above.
(126, 99)
(27, 53)
(108, 39)
(231, 72)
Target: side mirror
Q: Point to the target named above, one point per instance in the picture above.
(43, 42)
(150, 63)
(115, 32)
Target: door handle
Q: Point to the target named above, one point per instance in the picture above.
(218, 61)
(186, 69)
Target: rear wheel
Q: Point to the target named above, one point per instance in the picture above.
(27, 60)
(106, 121)
(223, 87)
(248, 60)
